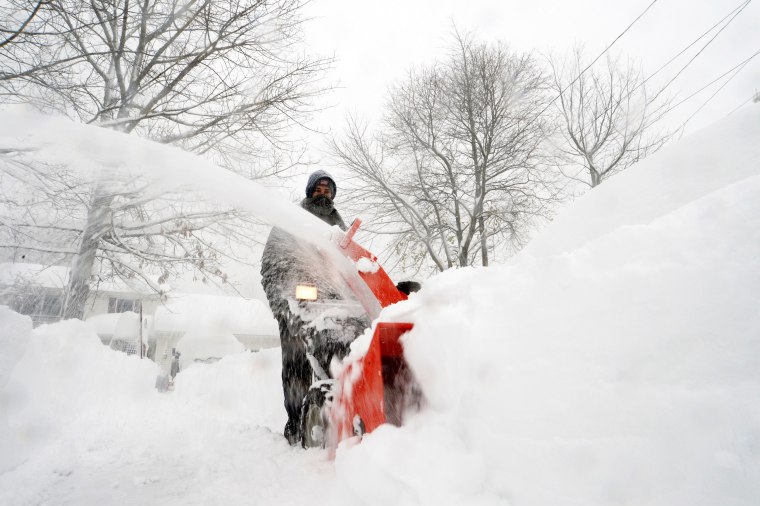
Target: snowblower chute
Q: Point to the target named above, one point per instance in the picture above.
(374, 275)
(379, 387)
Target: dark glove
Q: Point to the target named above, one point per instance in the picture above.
(407, 287)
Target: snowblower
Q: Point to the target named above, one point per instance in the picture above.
(378, 388)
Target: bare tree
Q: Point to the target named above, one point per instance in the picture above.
(606, 118)
(221, 78)
(12, 33)
(200, 74)
(454, 176)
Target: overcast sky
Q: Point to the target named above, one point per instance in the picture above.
(377, 42)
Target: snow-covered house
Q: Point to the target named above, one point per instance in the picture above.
(201, 327)
(38, 291)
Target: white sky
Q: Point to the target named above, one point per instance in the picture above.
(377, 42)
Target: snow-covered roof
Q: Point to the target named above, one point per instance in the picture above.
(48, 276)
(124, 324)
(56, 276)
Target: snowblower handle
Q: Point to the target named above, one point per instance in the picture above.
(376, 278)
(350, 233)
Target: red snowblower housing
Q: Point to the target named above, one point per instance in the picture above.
(379, 387)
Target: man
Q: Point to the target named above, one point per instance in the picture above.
(285, 263)
(320, 192)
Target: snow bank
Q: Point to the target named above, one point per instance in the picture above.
(13, 342)
(84, 424)
(15, 329)
(105, 323)
(631, 380)
(215, 315)
(682, 173)
(198, 346)
(245, 384)
(66, 371)
(618, 368)
(65, 382)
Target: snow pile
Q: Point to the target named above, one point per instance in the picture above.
(623, 373)
(15, 330)
(246, 384)
(105, 324)
(212, 314)
(67, 372)
(84, 424)
(199, 346)
(127, 326)
(65, 384)
(612, 363)
(681, 174)
(15, 333)
(621, 369)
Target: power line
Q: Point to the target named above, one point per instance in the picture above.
(741, 105)
(595, 60)
(739, 11)
(739, 69)
(740, 6)
(736, 69)
(737, 66)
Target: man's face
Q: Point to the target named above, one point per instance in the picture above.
(322, 188)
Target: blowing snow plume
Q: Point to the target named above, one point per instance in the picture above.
(120, 163)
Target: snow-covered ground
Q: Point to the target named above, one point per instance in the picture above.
(613, 362)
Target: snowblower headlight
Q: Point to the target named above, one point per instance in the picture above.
(306, 292)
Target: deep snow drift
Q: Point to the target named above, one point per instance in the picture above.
(613, 362)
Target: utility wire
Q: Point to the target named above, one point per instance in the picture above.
(741, 105)
(595, 60)
(740, 6)
(739, 11)
(730, 16)
(739, 69)
(739, 66)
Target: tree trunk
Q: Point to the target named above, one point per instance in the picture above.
(483, 241)
(596, 178)
(81, 269)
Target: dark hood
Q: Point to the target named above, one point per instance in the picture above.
(315, 177)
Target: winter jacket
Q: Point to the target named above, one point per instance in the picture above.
(324, 210)
(285, 263)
